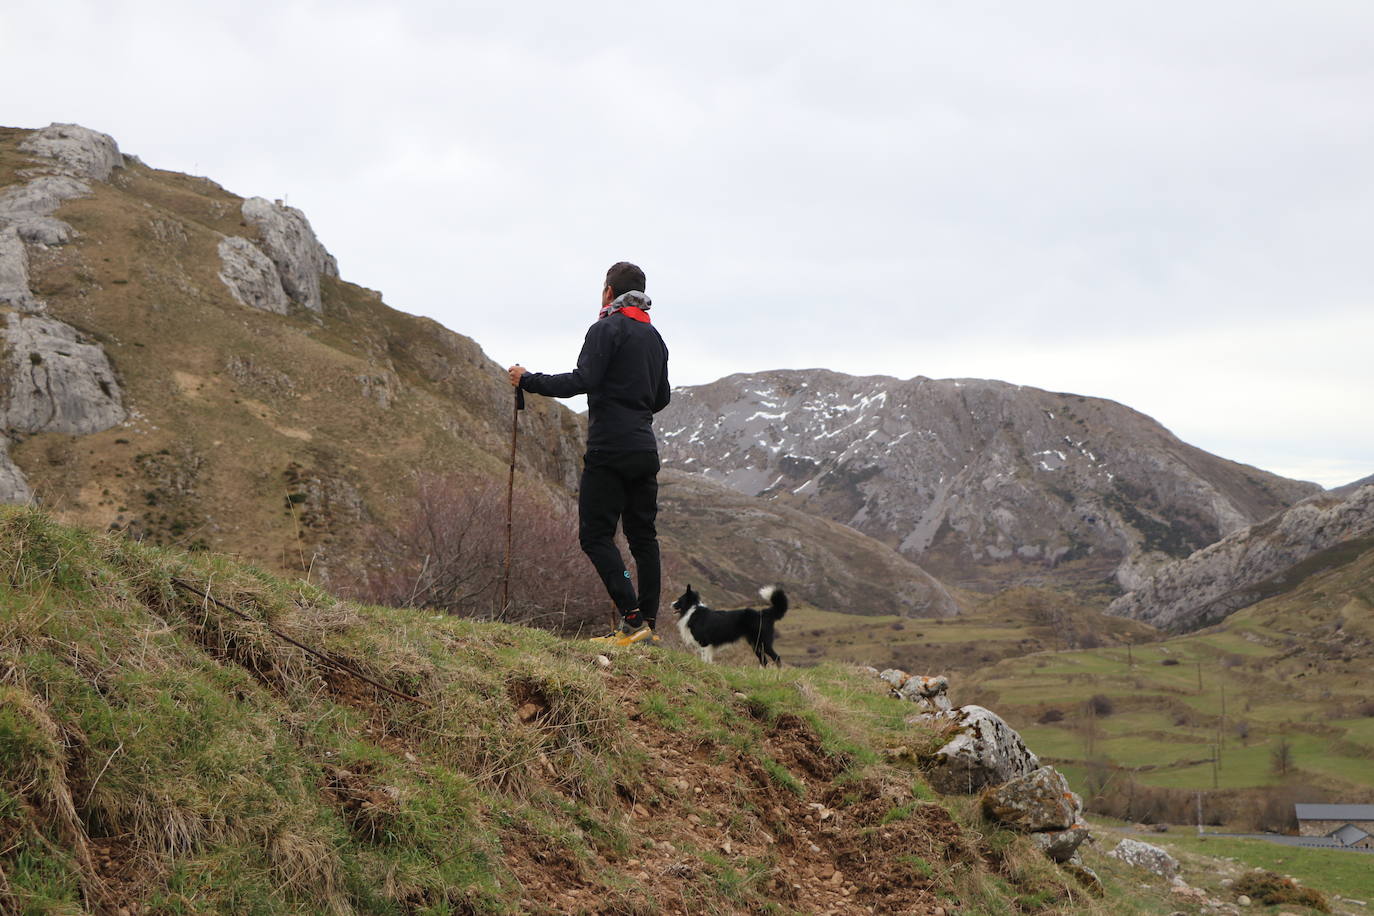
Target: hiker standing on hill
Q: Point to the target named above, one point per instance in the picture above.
(623, 371)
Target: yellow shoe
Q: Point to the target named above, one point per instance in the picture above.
(642, 633)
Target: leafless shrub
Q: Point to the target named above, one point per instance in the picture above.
(1281, 757)
(1050, 715)
(1101, 704)
(448, 554)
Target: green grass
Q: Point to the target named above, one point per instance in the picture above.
(1350, 874)
(1280, 669)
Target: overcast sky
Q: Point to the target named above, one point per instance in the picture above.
(1164, 203)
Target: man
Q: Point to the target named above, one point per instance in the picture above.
(623, 371)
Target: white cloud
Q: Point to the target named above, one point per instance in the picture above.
(1164, 203)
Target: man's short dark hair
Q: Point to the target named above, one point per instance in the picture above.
(623, 277)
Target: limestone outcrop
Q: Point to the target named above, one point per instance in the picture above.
(14, 272)
(251, 276)
(1243, 567)
(76, 150)
(29, 208)
(52, 380)
(291, 244)
(14, 487)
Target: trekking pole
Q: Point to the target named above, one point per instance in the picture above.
(510, 497)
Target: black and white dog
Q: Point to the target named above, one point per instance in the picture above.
(704, 629)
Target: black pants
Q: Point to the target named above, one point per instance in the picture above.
(622, 487)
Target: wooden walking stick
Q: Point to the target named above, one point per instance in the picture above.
(510, 497)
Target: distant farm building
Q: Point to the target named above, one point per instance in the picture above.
(1340, 825)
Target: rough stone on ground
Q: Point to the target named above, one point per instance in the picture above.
(894, 677)
(1146, 856)
(983, 751)
(77, 150)
(1086, 877)
(1036, 802)
(251, 276)
(930, 693)
(29, 207)
(14, 487)
(52, 380)
(1062, 845)
(291, 244)
(14, 272)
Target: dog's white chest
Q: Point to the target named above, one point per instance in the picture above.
(684, 627)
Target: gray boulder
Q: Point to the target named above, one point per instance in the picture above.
(1036, 802)
(14, 272)
(251, 276)
(1144, 855)
(982, 750)
(77, 150)
(291, 244)
(29, 207)
(51, 380)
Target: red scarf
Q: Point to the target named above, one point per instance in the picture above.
(622, 304)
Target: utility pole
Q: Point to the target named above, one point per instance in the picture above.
(1221, 723)
(1199, 814)
(1199, 677)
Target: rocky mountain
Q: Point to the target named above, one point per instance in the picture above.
(983, 483)
(730, 540)
(1255, 563)
(189, 367)
(1352, 487)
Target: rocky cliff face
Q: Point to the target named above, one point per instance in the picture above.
(52, 377)
(981, 482)
(1249, 565)
(290, 243)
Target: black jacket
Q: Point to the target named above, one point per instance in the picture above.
(623, 371)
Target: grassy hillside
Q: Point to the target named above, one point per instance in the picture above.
(1294, 669)
(160, 754)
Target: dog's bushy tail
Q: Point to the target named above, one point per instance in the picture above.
(777, 601)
